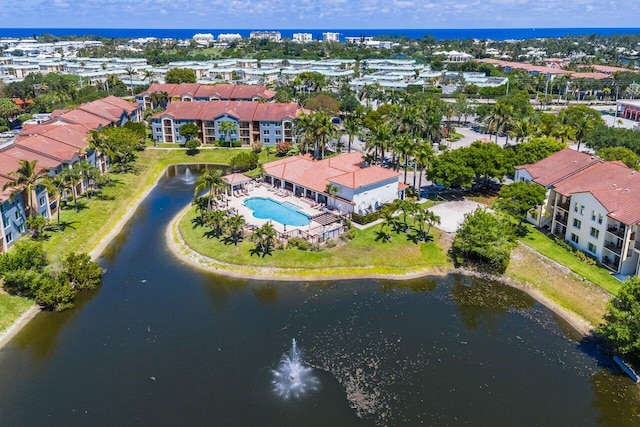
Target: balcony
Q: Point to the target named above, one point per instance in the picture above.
(636, 246)
(613, 247)
(617, 231)
(562, 219)
(611, 264)
(563, 205)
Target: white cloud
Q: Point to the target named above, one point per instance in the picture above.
(312, 14)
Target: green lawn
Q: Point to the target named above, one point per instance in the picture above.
(11, 308)
(365, 253)
(83, 230)
(546, 246)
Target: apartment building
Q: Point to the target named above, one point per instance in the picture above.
(56, 144)
(200, 92)
(592, 204)
(266, 123)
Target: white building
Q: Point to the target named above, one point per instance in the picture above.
(330, 37)
(591, 204)
(203, 39)
(357, 186)
(229, 37)
(273, 36)
(302, 37)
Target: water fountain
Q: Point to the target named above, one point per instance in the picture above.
(188, 177)
(292, 378)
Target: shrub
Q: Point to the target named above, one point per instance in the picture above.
(298, 242)
(350, 234)
(331, 243)
(236, 144)
(244, 161)
(81, 271)
(365, 219)
(282, 148)
(256, 147)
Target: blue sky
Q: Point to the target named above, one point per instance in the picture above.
(312, 14)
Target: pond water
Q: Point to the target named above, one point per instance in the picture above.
(163, 344)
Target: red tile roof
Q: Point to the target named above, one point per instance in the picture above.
(222, 91)
(348, 170)
(613, 184)
(48, 147)
(241, 110)
(558, 166)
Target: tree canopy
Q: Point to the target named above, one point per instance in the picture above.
(180, 75)
(622, 321)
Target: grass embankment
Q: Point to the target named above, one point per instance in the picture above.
(97, 216)
(85, 229)
(366, 253)
(545, 245)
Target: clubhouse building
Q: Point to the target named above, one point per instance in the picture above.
(345, 182)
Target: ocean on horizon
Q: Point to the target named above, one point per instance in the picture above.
(439, 34)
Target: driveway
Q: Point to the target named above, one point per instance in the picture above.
(452, 213)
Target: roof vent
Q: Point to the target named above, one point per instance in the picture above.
(626, 189)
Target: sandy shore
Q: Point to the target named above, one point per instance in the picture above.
(182, 251)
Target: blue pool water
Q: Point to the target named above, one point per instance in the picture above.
(265, 208)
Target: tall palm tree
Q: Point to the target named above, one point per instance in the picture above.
(148, 75)
(522, 129)
(324, 130)
(210, 180)
(72, 176)
(404, 146)
(56, 186)
(352, 128)
(379, 140)
(130, 72)
(27, 179)
(424, 156)
(226, 128)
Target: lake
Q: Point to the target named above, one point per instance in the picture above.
(163, 344)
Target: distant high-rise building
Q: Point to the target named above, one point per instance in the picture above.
(273, 36)
(330, 37)
(302, 37)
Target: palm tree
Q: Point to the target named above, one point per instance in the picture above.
(404, 146)
(264, 237)
(71, 176)
(236, 225)
(216, 219)
(379, 139)
(8, 109)
(387, 222)
(210, 180)
(226, 128)
(56, 186)
(27, 179)
(159, 99)
(148, 75)
(130, 72)
(522, 129)
(425, 216)
(323, 129)
(353, 128)
(423, 156)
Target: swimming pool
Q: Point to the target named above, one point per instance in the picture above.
(266, 208)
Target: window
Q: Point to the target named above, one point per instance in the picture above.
(595, 232)
(575, 207)
(267, 141)
(577, 223)
(592, 248)
(17, 214)
(581, 209)
(574, 238)
(278, 132)
(265, 132)
(600, 218)
(42, 201)
(593, 215)
(22, 228)
(9, 237)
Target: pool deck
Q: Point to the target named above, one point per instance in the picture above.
(305, 206)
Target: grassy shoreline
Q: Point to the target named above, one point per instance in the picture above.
(97, 222)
